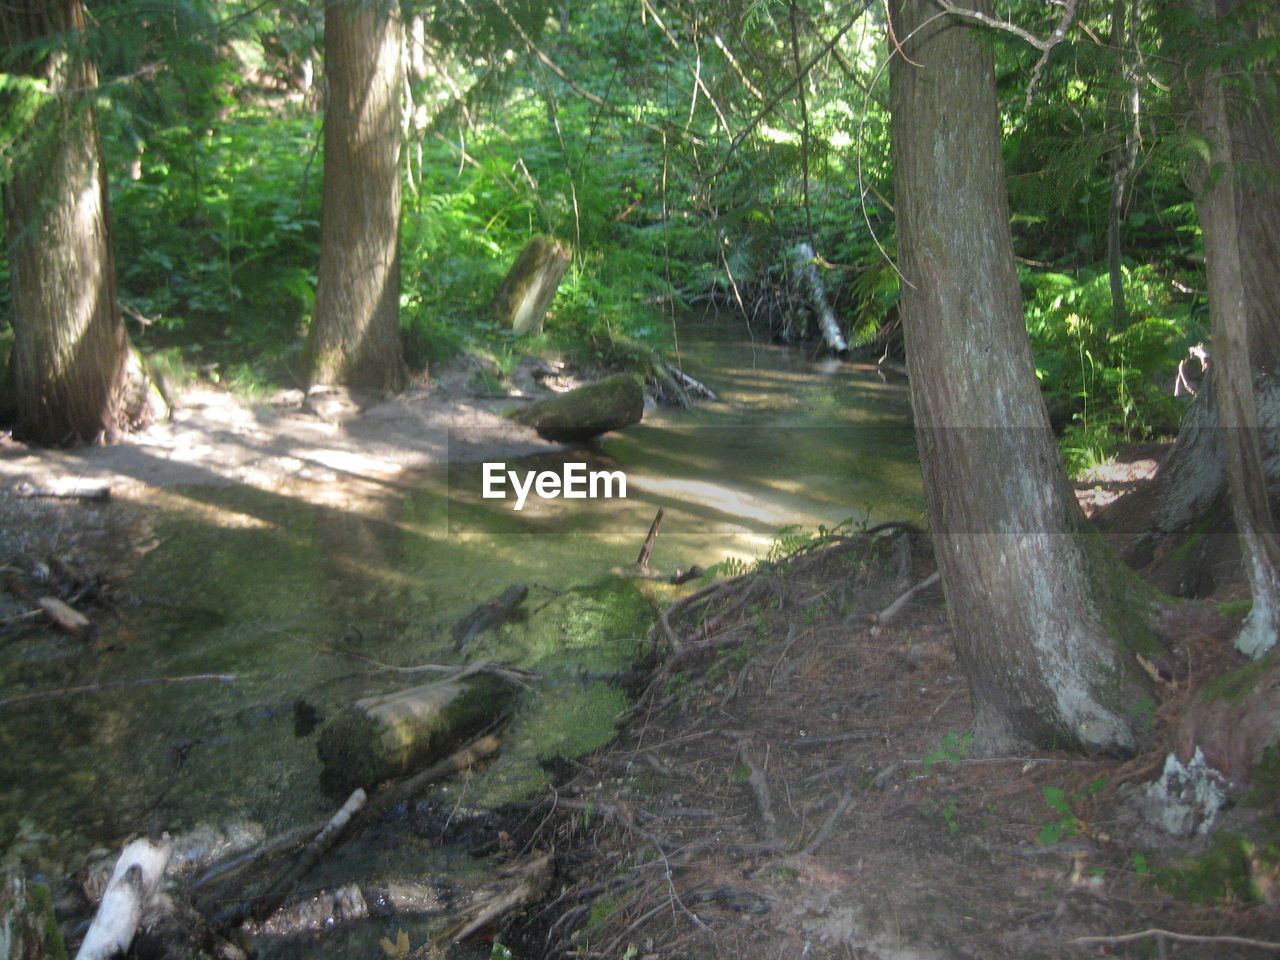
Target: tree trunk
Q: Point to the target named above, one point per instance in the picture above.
(70, 348)
(525, 294)
(1039, 609)
(1243, 155)
(355, 333)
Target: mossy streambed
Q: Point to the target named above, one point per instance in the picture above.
(236, 602)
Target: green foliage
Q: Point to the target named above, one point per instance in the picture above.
(217, 238)
(952, 748)
(1065, 823)
(1107, 381)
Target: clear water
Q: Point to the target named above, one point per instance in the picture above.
(278, 594)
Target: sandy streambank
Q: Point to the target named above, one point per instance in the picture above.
(289, 440)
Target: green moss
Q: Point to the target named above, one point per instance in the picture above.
(1235, 685)
(1222, 874)
(1194, 538)
(41, 899)
(1235, 609)
(1264, 783)
(560, 723)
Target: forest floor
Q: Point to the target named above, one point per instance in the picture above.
(796, 780)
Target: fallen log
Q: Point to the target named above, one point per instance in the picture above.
(389, 736)
(810, 287)
(586, 412)
(133, 884)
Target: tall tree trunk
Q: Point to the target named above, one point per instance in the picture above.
(1124, 155)
(70, 348)
(1242, 155)
(1038, 607)
(355, 333)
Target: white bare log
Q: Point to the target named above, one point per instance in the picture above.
(810, 286)
(133, 883)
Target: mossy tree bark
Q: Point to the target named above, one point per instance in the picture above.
(1190, 493)
(1038, 607)
(71, 352)
(1243, 163)
(530, 285)
(355, 333)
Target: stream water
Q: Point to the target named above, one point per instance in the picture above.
(277, 594)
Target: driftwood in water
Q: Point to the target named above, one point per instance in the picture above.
(66, 618)
(354, 816)
(132, 885)
(810, 287)
(388, 736)
(586, 412)
(530, 285)
(522, 883)
(270, 901)
(488, 616)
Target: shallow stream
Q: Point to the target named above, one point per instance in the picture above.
(286, 599)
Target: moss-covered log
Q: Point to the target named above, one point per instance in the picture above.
(388, 736)
(530, 285)
(587, 411)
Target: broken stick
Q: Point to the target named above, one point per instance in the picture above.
(646, 551)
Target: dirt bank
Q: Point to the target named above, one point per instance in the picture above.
(797, 783)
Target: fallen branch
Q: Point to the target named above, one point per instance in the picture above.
(133, 883)
(269, 902)
(893, 609)
(66, 491)
(119, 685)
(261, 907)
(489, 904)
(646, 551)
(1181, 937)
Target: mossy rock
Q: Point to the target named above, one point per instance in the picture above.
(586, 412)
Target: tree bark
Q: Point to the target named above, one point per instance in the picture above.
(70, 348)
(355, 333)
(1243, 160)
(1039, 609)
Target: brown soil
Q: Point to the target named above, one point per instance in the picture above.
(796, 783)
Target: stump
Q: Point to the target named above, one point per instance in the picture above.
(392, 735)
(530, 285)
(587, 411)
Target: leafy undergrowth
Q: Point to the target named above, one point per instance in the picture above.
(797, 781)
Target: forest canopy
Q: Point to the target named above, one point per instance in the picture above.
(681, 150)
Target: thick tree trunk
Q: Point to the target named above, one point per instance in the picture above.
(70, 346)
(355, 334)
(1242, 154)
(1038, 607)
